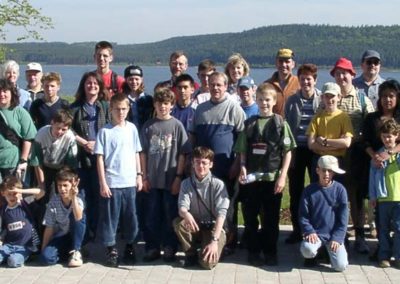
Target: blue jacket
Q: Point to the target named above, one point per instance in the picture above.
(377, 185)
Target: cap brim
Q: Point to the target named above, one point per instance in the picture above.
(339, 171)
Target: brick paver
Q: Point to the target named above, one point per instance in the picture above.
(233, 269)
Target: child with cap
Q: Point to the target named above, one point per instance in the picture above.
(141, 103)
(323, 215)
(384, 194)
(246, 89)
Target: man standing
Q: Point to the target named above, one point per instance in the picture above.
(216, 125)
(284, 81)
(34, 74)
(370, 80)
(178, 64)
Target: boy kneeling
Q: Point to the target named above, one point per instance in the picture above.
(323, 215)
(203, 203)
(65, 222)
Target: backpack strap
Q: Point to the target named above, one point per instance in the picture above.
(114, 82)
(9, 133)
(361, 98)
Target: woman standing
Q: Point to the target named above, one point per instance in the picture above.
(90, 113)
(16, 131)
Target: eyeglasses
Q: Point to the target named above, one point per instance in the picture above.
(372, 61)
(202, 163)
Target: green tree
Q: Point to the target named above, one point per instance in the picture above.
(20, 13)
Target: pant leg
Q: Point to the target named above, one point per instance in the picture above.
(89, 186)
(302, 161)
(18, 256)
(338, 259)
(396, 230)
(109, 217)
(187, 238)
(384, 252)
(77, 231)
(309, 250)
(129, 214)
(251, 199)
(170, 204)
(153, 219)
(206, 236)
(57, 249)
(271, 209)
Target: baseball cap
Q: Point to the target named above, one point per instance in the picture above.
(330, 163)
(34, 66)
(246, 81)
(285, 53)
(133, 70)
(331, 88)
(370, 54)
(345, 64)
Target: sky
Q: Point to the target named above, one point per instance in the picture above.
(132, 21)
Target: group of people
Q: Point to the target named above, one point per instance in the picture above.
(171, 167)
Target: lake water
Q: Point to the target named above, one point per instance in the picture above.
(71, 75)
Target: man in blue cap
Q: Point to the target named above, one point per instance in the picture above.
(246, 89)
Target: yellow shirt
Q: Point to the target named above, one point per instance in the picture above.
(331, 126)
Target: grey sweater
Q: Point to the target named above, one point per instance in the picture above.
(213, 192)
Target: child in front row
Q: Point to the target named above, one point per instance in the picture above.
(64, 222)
(323, 215)
(384, 194)
(265, 151)
(18, 237)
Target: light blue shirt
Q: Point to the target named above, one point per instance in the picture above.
(119, 145)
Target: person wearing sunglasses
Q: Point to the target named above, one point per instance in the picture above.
(370, 80)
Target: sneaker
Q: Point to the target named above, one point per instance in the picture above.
(169, 254)
(384, 263)
(129, 255)
(254, 259)
(112, 257)
(310, 262)
(361, 246)
(75, 259)
(188, 261)
(151, 255)
(294, 238)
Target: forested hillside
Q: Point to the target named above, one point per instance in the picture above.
(320, 44)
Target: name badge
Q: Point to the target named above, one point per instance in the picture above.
(259, 148)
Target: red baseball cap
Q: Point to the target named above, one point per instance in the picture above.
(345, 64)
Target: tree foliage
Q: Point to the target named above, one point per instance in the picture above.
(20, 13)
(319, 44)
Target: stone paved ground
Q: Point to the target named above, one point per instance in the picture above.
(233, 269)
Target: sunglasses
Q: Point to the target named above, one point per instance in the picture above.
(373, 61)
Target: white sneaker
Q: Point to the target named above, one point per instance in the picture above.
(75, 259)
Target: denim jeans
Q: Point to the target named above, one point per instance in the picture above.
(89, 190)
(59, 247)
(389, 219)
(120, 204)
(14, 255)
(162, 209)
(338, 259)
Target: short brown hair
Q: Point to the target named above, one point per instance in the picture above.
(9, 182)
(308, 68)
(266, 88)
(390, 126)
(66, 174)
(176, 54)
(164, 95)
(63, 116)
(103, 45)
(206, 65)
(52, 76)
(201, 152)
(118, 98)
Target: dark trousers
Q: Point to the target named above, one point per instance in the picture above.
(301, 161)
(259, 196)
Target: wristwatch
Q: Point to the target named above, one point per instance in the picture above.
(22, 161)
(214, 239)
